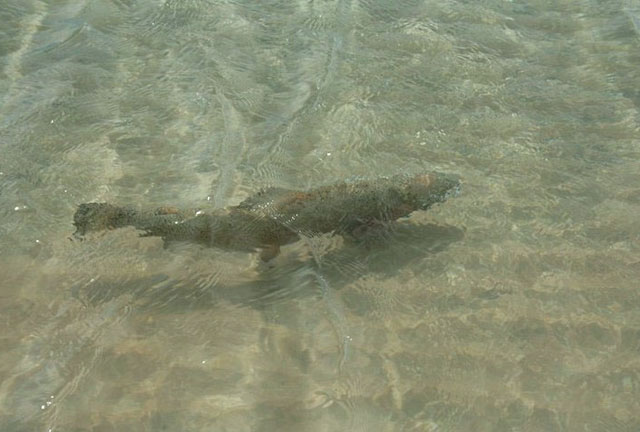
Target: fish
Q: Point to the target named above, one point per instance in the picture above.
(274, 217)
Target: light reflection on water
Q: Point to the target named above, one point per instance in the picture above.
(513, 306)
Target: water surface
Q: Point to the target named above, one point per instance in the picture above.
(513, 307)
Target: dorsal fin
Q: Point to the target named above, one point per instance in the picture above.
(263, 198)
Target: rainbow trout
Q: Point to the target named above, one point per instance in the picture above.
(274, 217)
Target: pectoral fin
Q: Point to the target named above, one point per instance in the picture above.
(369, 231)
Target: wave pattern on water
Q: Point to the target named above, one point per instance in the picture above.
(512, 306)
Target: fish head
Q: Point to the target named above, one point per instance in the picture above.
(424, 190)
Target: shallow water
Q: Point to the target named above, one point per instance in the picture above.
(513, 307)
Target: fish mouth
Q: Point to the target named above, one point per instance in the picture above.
(440, 188)
(454, 191)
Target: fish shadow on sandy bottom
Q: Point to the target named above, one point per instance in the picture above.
(383, 254)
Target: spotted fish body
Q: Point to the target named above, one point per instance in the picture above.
(275, 217)
(344, 207)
